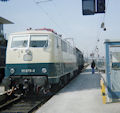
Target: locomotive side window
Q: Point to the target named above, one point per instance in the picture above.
(64, 46)
(57, 42)
(19, 42)
(39, 41)
(74, 51)
(71, 50)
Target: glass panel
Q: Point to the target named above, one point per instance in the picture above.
(115, 54)
(19, 41)
(88, 7)
(115, 68)
(39, 41)
(100, 6)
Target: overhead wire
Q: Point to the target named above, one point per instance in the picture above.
(105, 10)
(50, 18)
(59, 14)
(103, 20)
(99, 32)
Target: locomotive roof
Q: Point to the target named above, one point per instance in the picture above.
(33, 32)
(78, 50)
(38, 31)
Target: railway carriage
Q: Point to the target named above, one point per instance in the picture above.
(39, 58)
(80, 60)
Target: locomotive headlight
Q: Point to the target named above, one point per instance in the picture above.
(12, 70)
(44, 70)
(28, 52)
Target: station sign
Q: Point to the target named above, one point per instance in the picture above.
(100, 6)
(88, 7)
(4, 0)
(91, 7)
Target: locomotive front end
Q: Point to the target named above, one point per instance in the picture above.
(27, 61)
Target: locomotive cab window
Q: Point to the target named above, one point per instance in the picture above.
(39, 41)
(19, 42)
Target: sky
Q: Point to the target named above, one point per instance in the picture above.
(65, 17)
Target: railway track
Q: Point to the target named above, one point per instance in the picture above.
(24, 105)
(6, 103)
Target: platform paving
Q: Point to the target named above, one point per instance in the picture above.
(81, 95)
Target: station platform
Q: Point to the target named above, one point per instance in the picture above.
(81, 95)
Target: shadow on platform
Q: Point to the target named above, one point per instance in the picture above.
(84, 81)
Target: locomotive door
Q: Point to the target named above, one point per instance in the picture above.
(113, 69)
(59, 57)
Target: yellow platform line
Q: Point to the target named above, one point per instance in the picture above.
(103, 91)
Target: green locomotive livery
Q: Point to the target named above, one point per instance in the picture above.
(40, 58)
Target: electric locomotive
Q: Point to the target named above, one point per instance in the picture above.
(39, 59)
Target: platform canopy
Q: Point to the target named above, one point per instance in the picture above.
(5, 21)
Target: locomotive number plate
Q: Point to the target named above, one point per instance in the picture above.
(28, 70)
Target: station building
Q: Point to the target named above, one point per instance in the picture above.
(3, 44)
(2, 22)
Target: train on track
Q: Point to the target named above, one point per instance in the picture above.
(39, 59)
